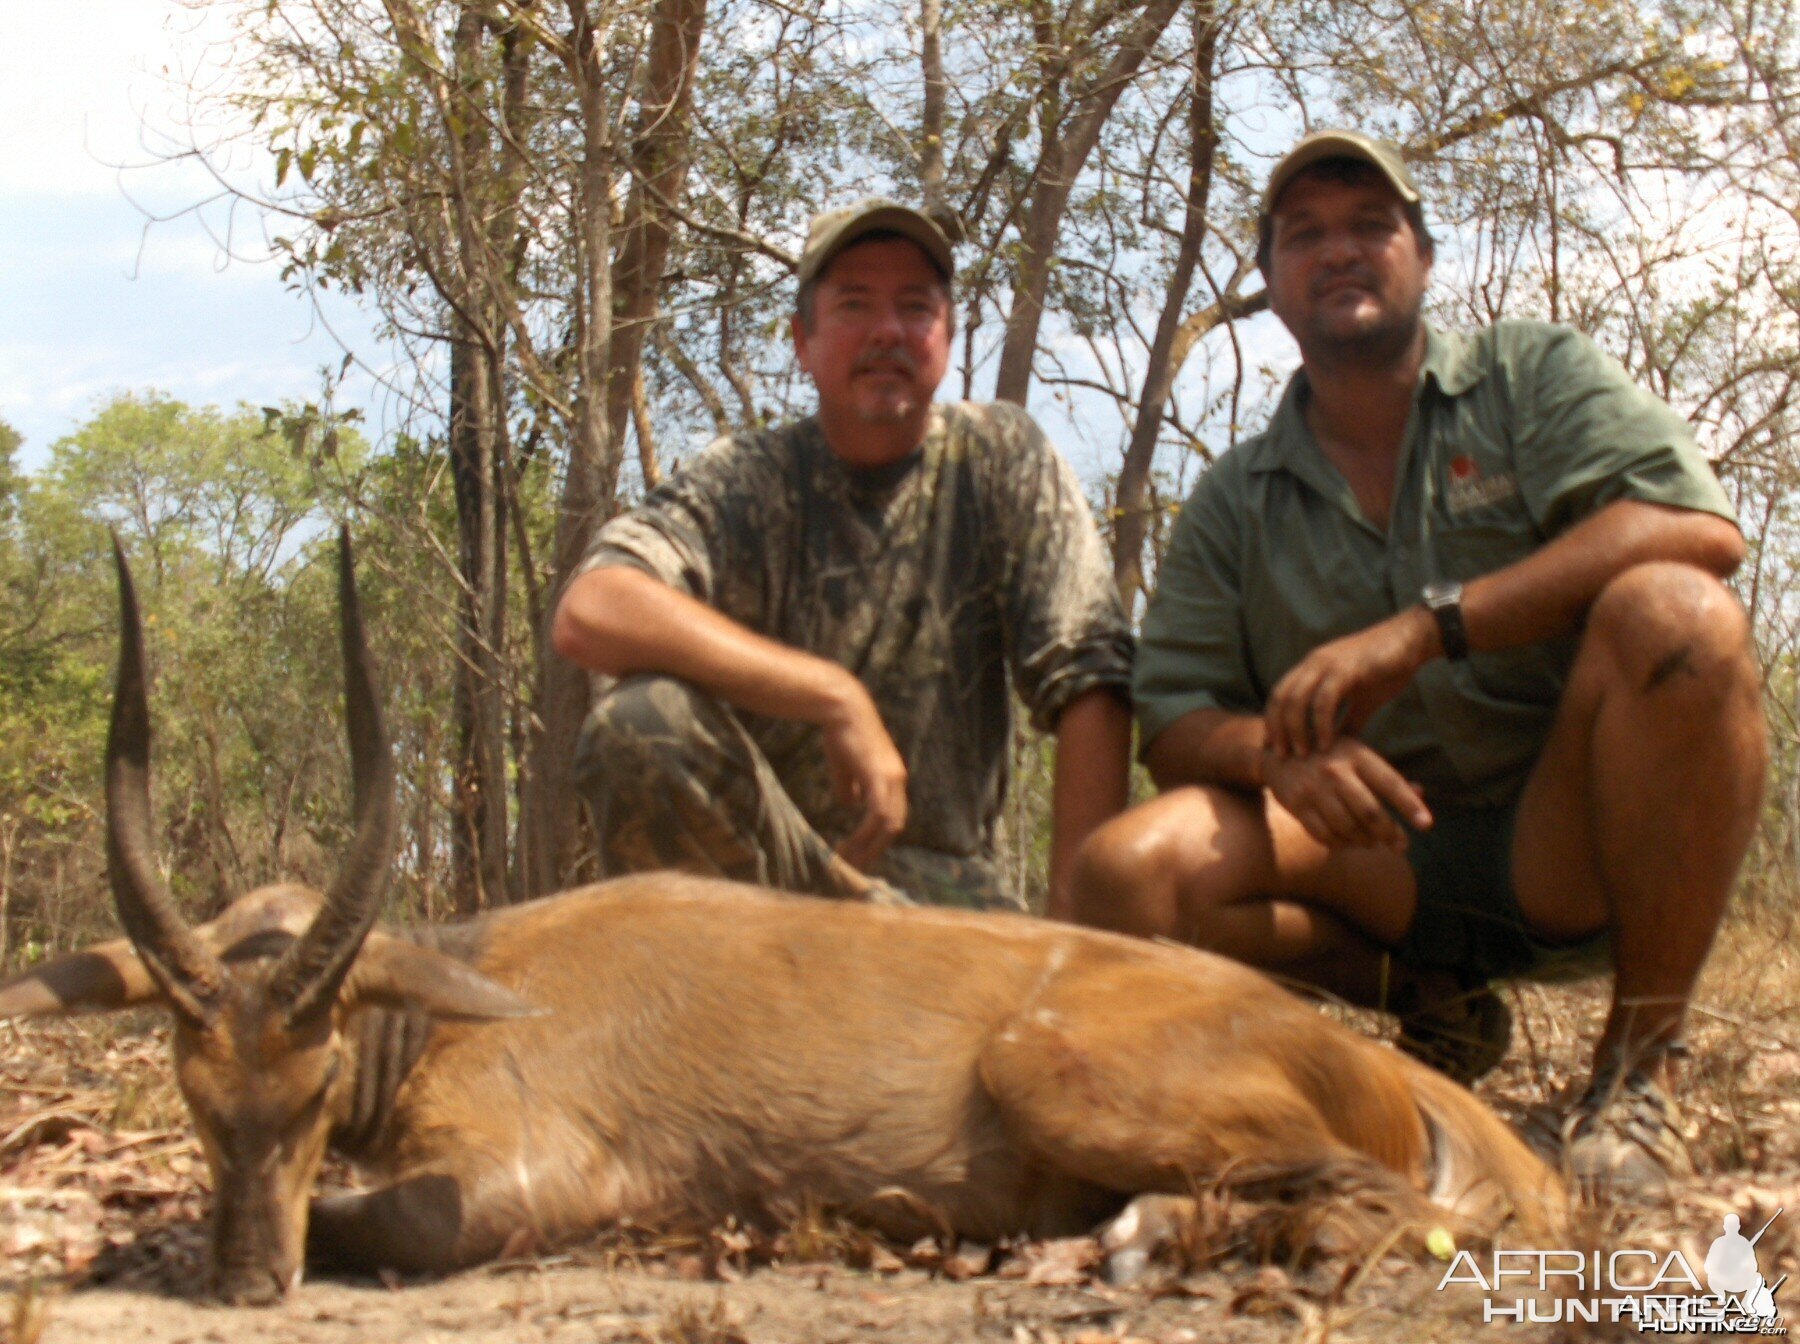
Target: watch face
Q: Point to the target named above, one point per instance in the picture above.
(1441, 590)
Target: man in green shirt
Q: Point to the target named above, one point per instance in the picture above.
(811, 634)
(1441, 681)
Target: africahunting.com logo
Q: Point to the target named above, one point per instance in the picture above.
(1659, 1293)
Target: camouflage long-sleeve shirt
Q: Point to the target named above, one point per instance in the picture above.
(937, 580)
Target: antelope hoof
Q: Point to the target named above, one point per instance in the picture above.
(1133, 1239)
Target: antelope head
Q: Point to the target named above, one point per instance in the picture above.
(256, 1040)
(261, 994)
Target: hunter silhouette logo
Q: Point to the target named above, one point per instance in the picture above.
(1658, 1292)
(1731, 1270)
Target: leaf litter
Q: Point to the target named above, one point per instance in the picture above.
(102, 1187)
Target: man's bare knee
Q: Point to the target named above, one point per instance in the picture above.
(1150, 870)
(1674, 629)
(1125, 874)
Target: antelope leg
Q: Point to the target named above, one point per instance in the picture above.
(417, 1225)
(1144, 1087)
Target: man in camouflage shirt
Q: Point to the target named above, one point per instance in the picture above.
(816, 629)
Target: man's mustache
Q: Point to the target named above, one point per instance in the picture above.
(1358, 277)
(891, 356)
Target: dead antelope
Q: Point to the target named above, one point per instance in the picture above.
(670, 1049)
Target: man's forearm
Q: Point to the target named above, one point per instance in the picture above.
(1545, 595)
(1548, 593)
(1092, 782)
(1209, 746)
(1339, 686)
(620, 621)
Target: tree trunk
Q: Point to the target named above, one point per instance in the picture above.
(931, 130)
(486, 192)
(552, 833)
(659, 164)
(1064, 155)
(479, 831)
(9, 835)
(1159, 376)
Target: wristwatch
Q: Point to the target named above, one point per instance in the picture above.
(1443, 599)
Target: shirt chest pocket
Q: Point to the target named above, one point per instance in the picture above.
(1488, 539)
(1476, 513)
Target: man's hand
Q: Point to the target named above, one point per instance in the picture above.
(866, 771)
(620, 621)
(1334, 690)
(1342, 795)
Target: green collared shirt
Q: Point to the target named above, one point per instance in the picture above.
(1516, 433)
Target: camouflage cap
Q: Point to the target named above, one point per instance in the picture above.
(835, 230)
(1379, 154)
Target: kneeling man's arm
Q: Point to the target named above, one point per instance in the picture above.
(620, 621)
(1092, 782)
(1548, 593)
(1335, 689)
(1346, 797)
(1195, 693)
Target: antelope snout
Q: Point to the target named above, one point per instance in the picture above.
(254, 1286)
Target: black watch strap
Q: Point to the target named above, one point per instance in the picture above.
(1443, 599)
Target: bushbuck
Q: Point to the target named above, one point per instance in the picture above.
(669, 1049)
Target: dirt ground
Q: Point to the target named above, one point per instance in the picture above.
(562, 1302)
(102, 1232)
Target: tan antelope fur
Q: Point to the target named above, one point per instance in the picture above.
(669, 1049)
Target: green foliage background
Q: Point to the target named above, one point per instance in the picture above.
(556, 211)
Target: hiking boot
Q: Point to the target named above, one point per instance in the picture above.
(1460, 1030)
(1624, 1135)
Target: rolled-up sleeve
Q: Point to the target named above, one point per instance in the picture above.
(1591, 436)
(676, 535)
(1192, 654)
(1066, 629)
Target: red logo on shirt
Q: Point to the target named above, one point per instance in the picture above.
(1467, 489)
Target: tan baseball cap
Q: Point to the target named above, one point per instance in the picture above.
(835, 230)
(1340, 145)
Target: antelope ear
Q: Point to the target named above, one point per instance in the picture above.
(394, 974)
(97, 979)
